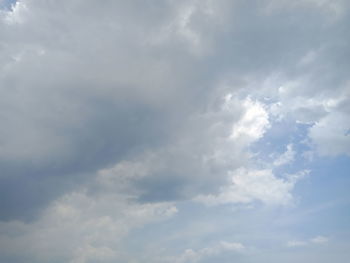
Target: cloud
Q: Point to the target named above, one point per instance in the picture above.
(80, 228)
(285, 158)
(86, 86)
(252, 124)
(319, 240)
(296, 243)
(69, 111)
(254, 185)
(209, 252)
(115, 114)
(315, 240)
(330, 135)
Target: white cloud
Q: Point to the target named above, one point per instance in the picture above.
(253, 123)
(319, 240)
(285, 158)
(315, 240)
(192, 256)
(17, 13)
(330, 134)
(296, 243)
(231, 246)
(254, 185)
(325, 113)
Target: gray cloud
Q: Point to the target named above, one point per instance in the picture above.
(143, 104)
(84, 85)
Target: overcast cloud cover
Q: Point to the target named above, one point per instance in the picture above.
(174, 131)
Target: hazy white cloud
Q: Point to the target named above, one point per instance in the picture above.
(315, 240)
(319, 240)
(296, 243)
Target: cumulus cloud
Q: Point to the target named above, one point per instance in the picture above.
(252, 125)
(254, 185)
(325, 112)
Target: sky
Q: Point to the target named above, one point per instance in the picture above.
(163, 131)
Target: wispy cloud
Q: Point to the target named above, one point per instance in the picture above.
(314, 240)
